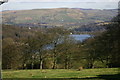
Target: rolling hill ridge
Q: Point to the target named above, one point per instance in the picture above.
(68, 17)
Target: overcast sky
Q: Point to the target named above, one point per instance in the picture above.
(37, 4)
(63, 0)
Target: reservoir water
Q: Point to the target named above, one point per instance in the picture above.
(80, 37)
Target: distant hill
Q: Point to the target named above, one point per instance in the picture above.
(68, 17)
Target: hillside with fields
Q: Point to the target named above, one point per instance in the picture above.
(70, 18)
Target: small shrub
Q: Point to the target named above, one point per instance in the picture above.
(43, 71)
(80, 68)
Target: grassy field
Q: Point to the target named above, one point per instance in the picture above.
(94, 74)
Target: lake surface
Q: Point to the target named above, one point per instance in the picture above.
(80, 37)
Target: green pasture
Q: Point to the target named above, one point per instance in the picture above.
(100, 73)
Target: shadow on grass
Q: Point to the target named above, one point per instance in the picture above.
(99, 77)
(110, 77)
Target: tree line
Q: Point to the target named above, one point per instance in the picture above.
(53, 48)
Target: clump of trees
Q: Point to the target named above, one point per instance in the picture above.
(105, 47)
(37, 48)
(52, 48)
